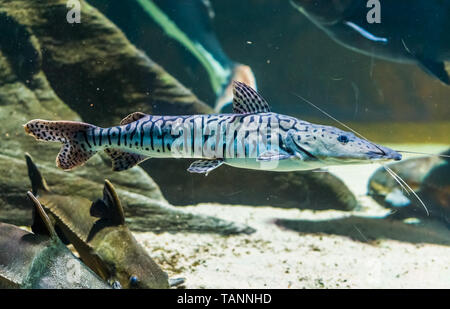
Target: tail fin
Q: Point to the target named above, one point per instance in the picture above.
(74, 136)
(38, 182)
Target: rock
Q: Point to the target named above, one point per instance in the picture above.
(95, 70)
(371, 230)
(230, 185)
(40, 64)
(427, 176)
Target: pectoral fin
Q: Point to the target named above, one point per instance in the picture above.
(435, 68)
(272, 155)
(205, 166)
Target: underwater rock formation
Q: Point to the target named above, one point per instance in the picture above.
(427, 176)
(34, 78)
(92, 67)
(231, 185)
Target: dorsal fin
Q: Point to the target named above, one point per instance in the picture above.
(41, 222)
(109, 207)
(247, 101)
(38, 182)
(132, 118)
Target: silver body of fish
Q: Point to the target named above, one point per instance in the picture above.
(252, 137)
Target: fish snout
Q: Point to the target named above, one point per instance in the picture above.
(384, 153)
(397, 156)
(391, 154)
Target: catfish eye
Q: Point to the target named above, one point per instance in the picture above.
(343, 139)
(134, 280)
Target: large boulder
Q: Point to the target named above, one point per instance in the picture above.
(229, 185)
(427, 176)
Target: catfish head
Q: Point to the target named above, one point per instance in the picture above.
(327, 145)
(128, 264)
(325, 12)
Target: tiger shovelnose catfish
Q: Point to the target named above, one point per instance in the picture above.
(39, 260)
(98, 232)
(252, 137)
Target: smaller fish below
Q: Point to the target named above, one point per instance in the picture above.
(414, 31)
(428, 176)
(98, 232)
(39, 260)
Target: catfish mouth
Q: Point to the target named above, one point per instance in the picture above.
(309, 155)
(384, 154)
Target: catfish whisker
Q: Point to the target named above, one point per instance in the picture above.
(424, 153)
(398, 178)
(395, 178)
(327, 114)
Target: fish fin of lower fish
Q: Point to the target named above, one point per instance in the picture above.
(247, 101)
(272, 155)
(435, 68)
(173, 282)
(204, 166)
(122, 160)
(109, 207)
(38, 182)
(132, 118)
(61, 235)
(41, 222)
(76, 149)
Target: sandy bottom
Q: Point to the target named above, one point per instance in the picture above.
(306, 249)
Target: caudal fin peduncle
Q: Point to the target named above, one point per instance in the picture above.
(74, 136)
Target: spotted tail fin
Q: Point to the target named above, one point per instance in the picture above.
(74, 136)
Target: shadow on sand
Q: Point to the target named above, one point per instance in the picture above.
(369, 230)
